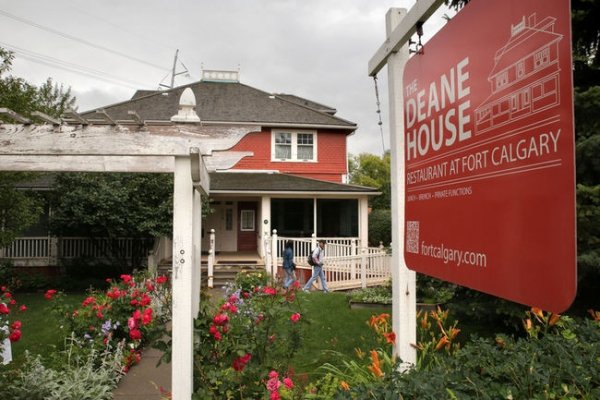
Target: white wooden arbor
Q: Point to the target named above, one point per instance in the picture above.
(133, 146)
(400, 26)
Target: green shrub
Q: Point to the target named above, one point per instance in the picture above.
(380, 227)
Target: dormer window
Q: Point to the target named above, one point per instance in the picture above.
(294, 146)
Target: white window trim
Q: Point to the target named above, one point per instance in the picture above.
(294, 145)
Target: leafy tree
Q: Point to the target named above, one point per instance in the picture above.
(19, 209)
(374, 171)
(112, 206)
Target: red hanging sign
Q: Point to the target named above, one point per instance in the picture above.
(489, 144)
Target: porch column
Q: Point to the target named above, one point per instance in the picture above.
(264, 224)
(183, 250)
(363, 222)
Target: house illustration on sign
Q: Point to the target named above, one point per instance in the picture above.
(525, 76)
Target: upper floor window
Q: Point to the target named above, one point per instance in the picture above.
(294, 146)
(541, 58)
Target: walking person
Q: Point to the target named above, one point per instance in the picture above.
(318, 256)
(288, 264)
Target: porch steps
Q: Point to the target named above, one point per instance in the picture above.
(223, 273)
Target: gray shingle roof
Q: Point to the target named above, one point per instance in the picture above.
(275, 182)
(227, 102)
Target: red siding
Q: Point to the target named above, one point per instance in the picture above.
(331, 153)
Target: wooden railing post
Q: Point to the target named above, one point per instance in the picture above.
(211, 258)
(363, 268)
(353, 252)
(268, 260)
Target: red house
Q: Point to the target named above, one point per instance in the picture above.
(289, 175)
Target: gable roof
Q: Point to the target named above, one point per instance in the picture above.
(228, 102)
(257, 182)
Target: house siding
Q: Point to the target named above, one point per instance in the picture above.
(331, 156)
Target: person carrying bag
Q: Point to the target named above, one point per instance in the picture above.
(317, 257)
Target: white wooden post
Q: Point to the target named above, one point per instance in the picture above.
(313, 242)
(404, 303)
(183, 344)
(353, 252)
(211, 259)
(363, 268)
(197, 256)
(274, 253)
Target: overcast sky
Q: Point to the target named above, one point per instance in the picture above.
(104, 50)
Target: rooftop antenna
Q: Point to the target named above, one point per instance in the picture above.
(174, 72)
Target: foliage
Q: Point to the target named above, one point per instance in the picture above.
(18, 208)
(380, 227)
(370, 170)
(429, 290)
(244, 346)
(91, 374)
(113, 206)
(10, 327)
(133, 312)
(559, 361)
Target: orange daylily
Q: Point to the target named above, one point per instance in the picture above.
(390, 337)
(554, 319)
(345, 385)
(375, 366)
(443, 342)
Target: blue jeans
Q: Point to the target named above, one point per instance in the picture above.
(290, 277)
(317, 273)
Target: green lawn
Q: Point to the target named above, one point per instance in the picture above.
(332, 325)
(42, 331)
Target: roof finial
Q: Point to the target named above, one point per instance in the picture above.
(187, 105)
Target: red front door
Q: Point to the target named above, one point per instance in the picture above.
(247, 226)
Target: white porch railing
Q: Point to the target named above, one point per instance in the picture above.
(347, 265)
(47, 249)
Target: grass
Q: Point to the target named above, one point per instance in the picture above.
(42, 332)
(332, 326)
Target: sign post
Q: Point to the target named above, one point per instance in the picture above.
(489, 152)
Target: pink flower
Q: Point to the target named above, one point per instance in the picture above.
(274, 396)
(273, 384)
(288, 382)
(295, 317)
(15, 335)
(49, 294)
(4, 309)
(23, 307)
(273, 374)
(131, 323)
(135, 334)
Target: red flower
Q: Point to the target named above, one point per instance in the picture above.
(271, 291)
(295, 317)
(145, 300)
(149, 286)
(390, 337)
(126, 278)
(220, 319)
(16, 325)
(49, 294)
(147, 317)
(12, 302)
(7, 295)
(137, 315)
(161, 279)
(15, 335)
(88, 301)
(240, 363)
(23, 307)
(4, 309)
(135, 334)
(114, 293)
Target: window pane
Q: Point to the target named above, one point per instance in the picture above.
(283, 138)
(283, 151)
(247, 217)
(305, 138)
(305, 152)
